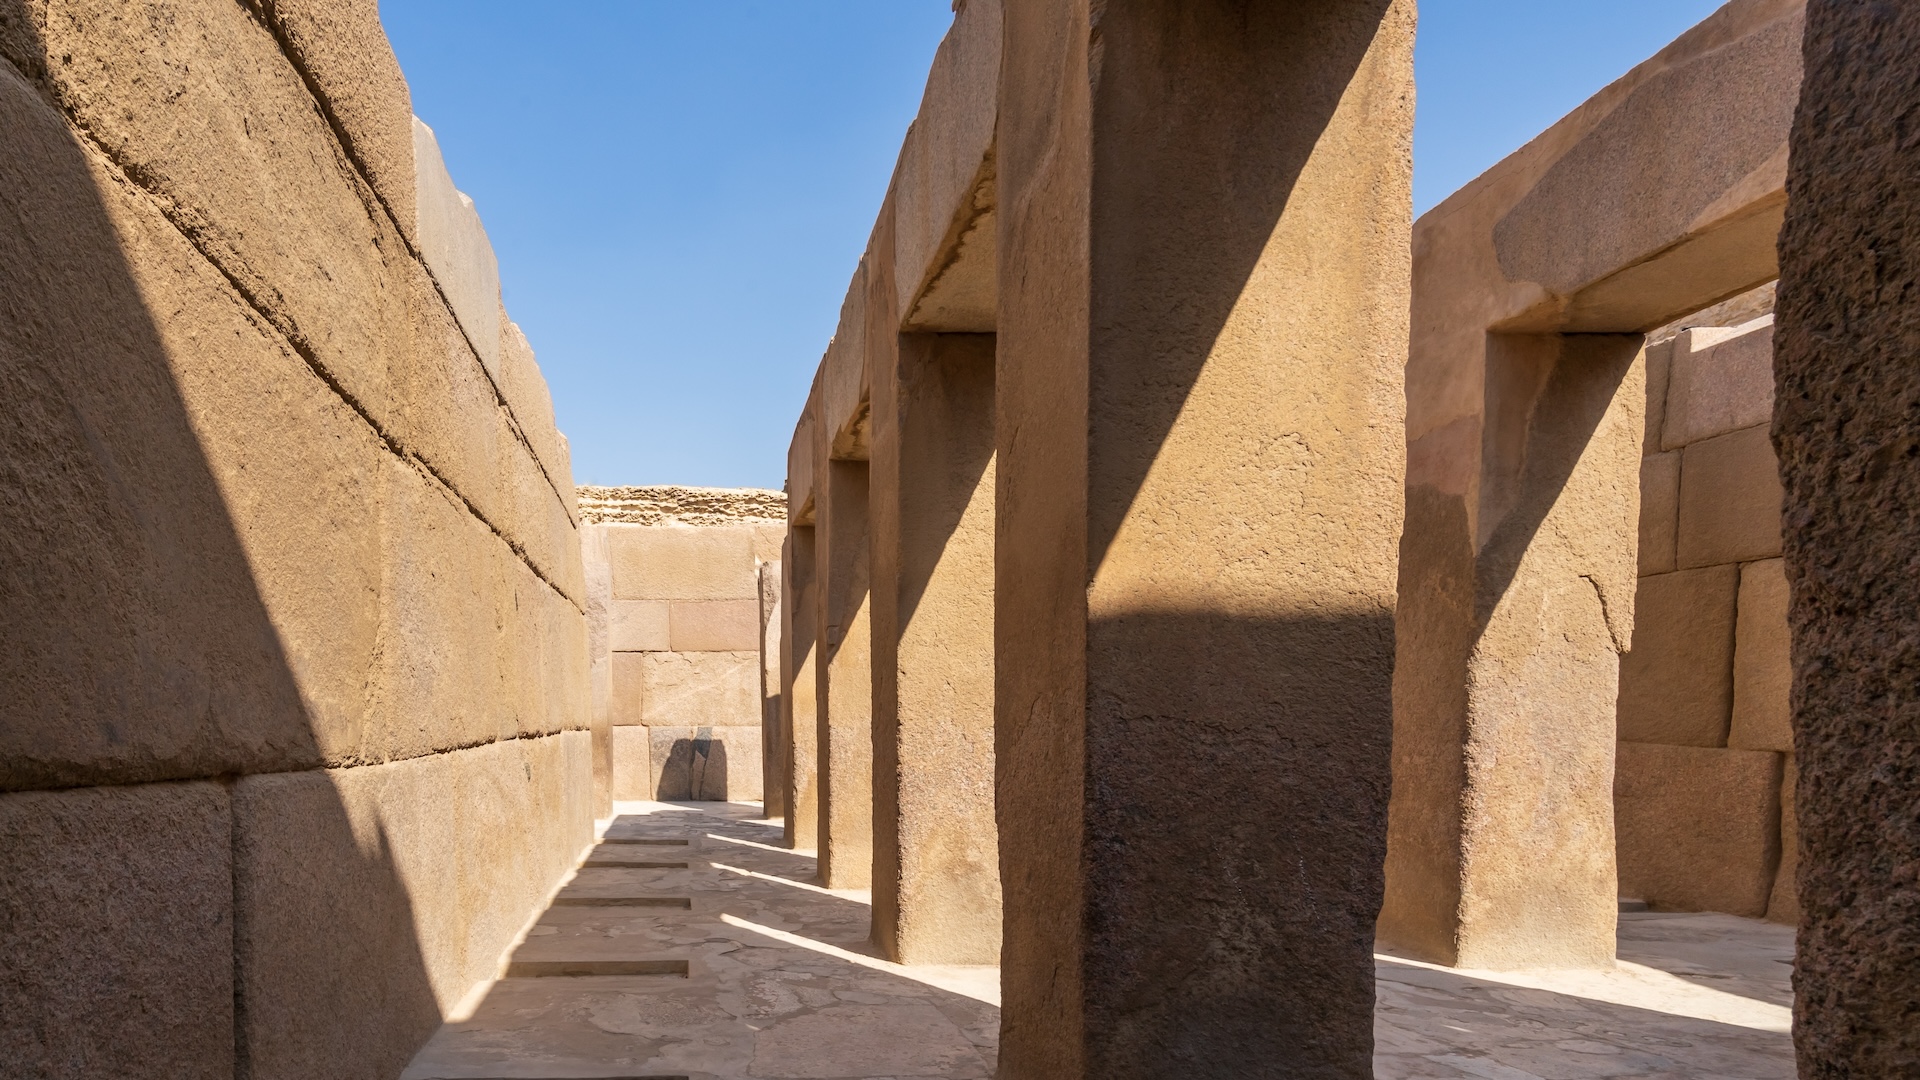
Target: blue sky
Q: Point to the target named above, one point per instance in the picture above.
(678, 190)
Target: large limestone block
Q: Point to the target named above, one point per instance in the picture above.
(456, 249)
(705, 764)
(768, 540)
(712, 689)
(1659, 374)
(633, 770)
(1722, 381)
(1659, 512)
(531, 404)
(715, 625)
(639, 626)
(1676, 685)
(682, 562)
(843, 370)
(628, 701)
(1783, 905)
(1697, 829)
(1763, 661)
(372, 899)
(340, 47)
(1729, 500)
(116, 921)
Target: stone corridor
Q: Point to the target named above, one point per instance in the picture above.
(691, 945)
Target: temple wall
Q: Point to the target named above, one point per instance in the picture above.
(295, 732)
(677, 626)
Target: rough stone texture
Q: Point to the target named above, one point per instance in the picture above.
(669, 505)
(799, 690)
(1532, 287)
(682, 563)
(714, 625)
(391, 890)
(706, 764)
(1198, 480)
(116, 921)
(1659, 512)
(844, 674)
(772, 723)
(1659, 374)
(687, 689)
(633, 770)
(1783, 906)
(1722, 381)
(455, 247)
(936, 874)
(525, 391)
(1676, 685)
(1729, 500)
(1848, 408)
(1699, 829)
(638, 625)
(1763, 661)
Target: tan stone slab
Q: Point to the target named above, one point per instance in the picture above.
(715, 625)
(633, 770)
(682, 563)
(1659, 375)
(705, 764)
(639, 626)
(116, 912)
(1659, 512)
(1763, 661)
(716, 689)
(456, 249)
(1783, 905)
(843, 370)
(531, 404)
(627, 701)
(1676, 685)
(768, 540)
(1722, 382)
(1697, 829)
(1729, 500)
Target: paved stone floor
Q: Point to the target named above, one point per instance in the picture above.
(736, 965)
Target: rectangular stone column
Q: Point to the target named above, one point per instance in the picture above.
(844, 673)
(936, 873)
(772, 721)
(798, 684)
(1202, 329)
(1847, 427)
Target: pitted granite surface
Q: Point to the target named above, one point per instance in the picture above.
(668, 505)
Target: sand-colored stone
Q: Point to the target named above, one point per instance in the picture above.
(1722, 381)
(392, 890)
(1844, 425)
(1659, 512)
(936, 880)
(705, 764)
(638, 625)
(1698, 828)
(1763, 661)
(681, 563)
(1676, 685)
(116, 917)
(454, 244)
(1729, 500)
(1532, 285)
(686, 689)
(714, 625)
(844, 678)
(1783, 903)
(530, 401)
(633, 772)
(1659, 374)
(772, 723)
(799, 689)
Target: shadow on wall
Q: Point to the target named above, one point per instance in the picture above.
(695, 770)
(163, 910)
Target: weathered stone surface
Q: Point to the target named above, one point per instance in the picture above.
(843, 370)
(116, 921)
(391, 890)
(844, 669)
(1783, 905)
(772, 723)
(456, 249)
(1849, 392)
(1722, 381)
(639, 626)
(633, 772)
(1763, 661)
(674, 505)
(1659, 374)
(531, 403)
(1698, 829)
(717, 689)
(1676, 685)
(680, 563)
(1659, 512)
(714, 625)
(705, 764)
(1729, 500)
(799, 687)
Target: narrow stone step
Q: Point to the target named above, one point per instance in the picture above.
(573, 969)
(622, 864)
(681, 902)
(642, 840)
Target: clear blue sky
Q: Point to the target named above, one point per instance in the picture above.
(679, 190)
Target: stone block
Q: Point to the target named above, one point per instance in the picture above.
(1729, 500)
(715, 625)
(626, 703)
(531, 403)
(1783, 905)
(705, 764)
(715, 689)
(843, 370)
(1763, 661)
(1697, 829)
(768, 539)
(638, 626)
(116, 921)
(633, 771)
(1722, 381)
(1659, 512)
(1659, 373)
(682, 562)
(456, 249)
(371, 900)
(1676, 685)
(341, 48)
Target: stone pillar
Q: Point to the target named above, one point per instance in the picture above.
(772, 736)
(936, 873)
(844, 671)
(1202, 329)
(1847, 428)
(798, 682)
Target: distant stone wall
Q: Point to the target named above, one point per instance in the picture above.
(1703, 789)
(293, 739)
(677, 627)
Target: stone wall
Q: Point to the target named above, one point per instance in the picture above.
(1701, 785)
(294, 737)
(677, 624)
